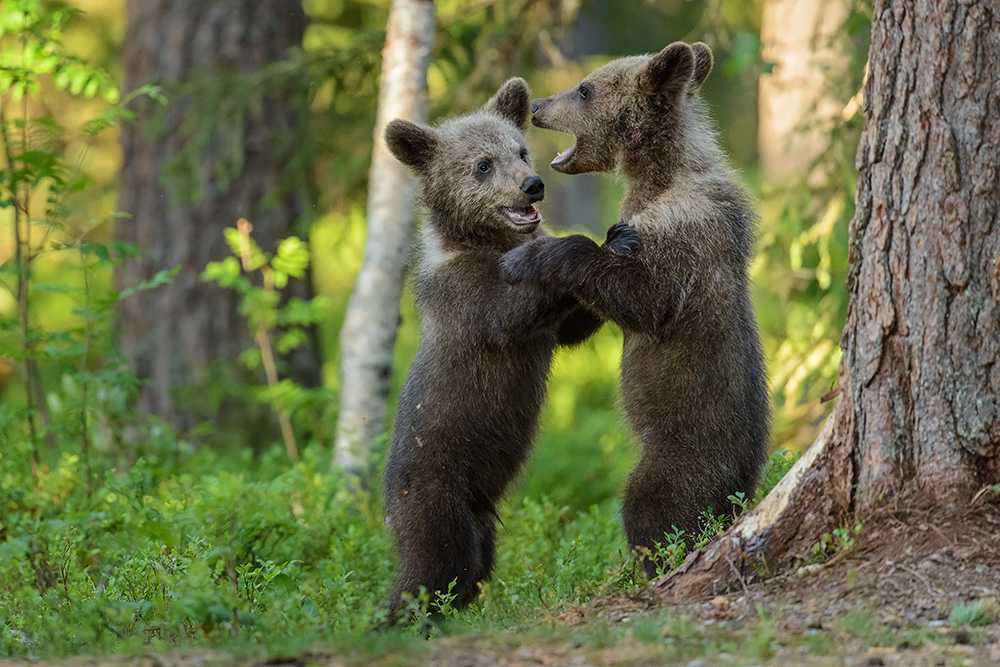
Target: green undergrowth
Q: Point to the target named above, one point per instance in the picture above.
(186, 549)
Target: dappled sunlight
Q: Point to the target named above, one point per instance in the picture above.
(126, 529)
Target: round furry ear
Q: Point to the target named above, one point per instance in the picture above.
(667, 74)
(512, 102)
(702, 66)
(412, 144)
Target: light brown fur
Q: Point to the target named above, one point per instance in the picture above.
(693, 383)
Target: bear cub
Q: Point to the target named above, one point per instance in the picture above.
(469, 407)
(693, 383)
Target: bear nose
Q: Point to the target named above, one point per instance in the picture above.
(534, 188)
(535, 105)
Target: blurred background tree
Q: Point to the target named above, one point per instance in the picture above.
(227, 146)
(369, 331)
(270, 115)
(814, 54)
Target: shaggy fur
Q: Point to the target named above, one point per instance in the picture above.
(468, 411)
(693, 382)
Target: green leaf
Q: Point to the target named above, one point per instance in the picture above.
(163, 277)
(91, 88)
(225, 273)
(112, 95)
(258, 257)
(149, 90)
(99, 250)
(290, 340)
(292, 257)
(77, 81)
(53, 288)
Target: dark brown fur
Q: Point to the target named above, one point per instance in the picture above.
(693, 381)
(469, 408)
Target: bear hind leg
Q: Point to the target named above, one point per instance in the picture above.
(434, 555)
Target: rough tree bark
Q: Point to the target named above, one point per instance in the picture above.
(372, 317)
(803, 39)
(917, 424)
(173, 334)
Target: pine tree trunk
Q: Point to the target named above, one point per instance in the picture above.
(175, 334)
(918, 423)
(372, 317)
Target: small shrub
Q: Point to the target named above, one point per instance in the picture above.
(839, 541)
(975, 613)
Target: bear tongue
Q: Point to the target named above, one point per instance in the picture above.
(564, 156)
(522, 215)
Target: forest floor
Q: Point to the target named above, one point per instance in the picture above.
(914, 589)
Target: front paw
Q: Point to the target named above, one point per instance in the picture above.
(522, 264)
(622, 239)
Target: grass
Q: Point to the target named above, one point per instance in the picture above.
(186, 548)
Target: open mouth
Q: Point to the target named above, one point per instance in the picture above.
(522, 215)
(563, 157)
(561, 160)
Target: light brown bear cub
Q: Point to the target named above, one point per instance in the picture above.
(468, 411)
(693, 382)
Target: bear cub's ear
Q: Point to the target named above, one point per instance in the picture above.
(702, 66)
(668, 73)
(412, 144)
(512, 102)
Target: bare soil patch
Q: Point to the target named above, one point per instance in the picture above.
(889, 600)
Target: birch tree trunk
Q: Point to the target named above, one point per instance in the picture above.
(174, 334)
(803, 40)
(918, 424)
(369, 330)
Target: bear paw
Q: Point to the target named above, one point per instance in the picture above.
(623, 239)
(523, 263)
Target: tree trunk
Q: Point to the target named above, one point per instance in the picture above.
(918, 424)
(175, 334)
(372, 317)
(803, 39)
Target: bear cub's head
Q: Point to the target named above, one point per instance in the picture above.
(625, 108)
(474, 171)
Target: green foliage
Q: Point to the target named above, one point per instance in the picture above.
(128, 537)
(85, 405)
(800, 272)
(332, 82)
(179, 551)
(779, 463)
(838, 542)
(39, 27)
(975, 613)
(673, 550)
(259, 278)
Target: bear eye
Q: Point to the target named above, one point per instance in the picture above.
(484, 166)
(584, 91)
(524, 154)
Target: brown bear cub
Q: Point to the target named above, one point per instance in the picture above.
(693, 382)
(469, 408)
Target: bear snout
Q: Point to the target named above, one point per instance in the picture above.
(538, 112)
(534, 188)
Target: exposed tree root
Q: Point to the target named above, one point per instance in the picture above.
(813, 498)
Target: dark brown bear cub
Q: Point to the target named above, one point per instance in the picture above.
(469, 408)
(693, 382)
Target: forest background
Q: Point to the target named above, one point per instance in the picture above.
(125, 524)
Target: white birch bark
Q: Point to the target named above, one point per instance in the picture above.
(369, 331)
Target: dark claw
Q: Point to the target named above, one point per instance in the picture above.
(623, 239)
